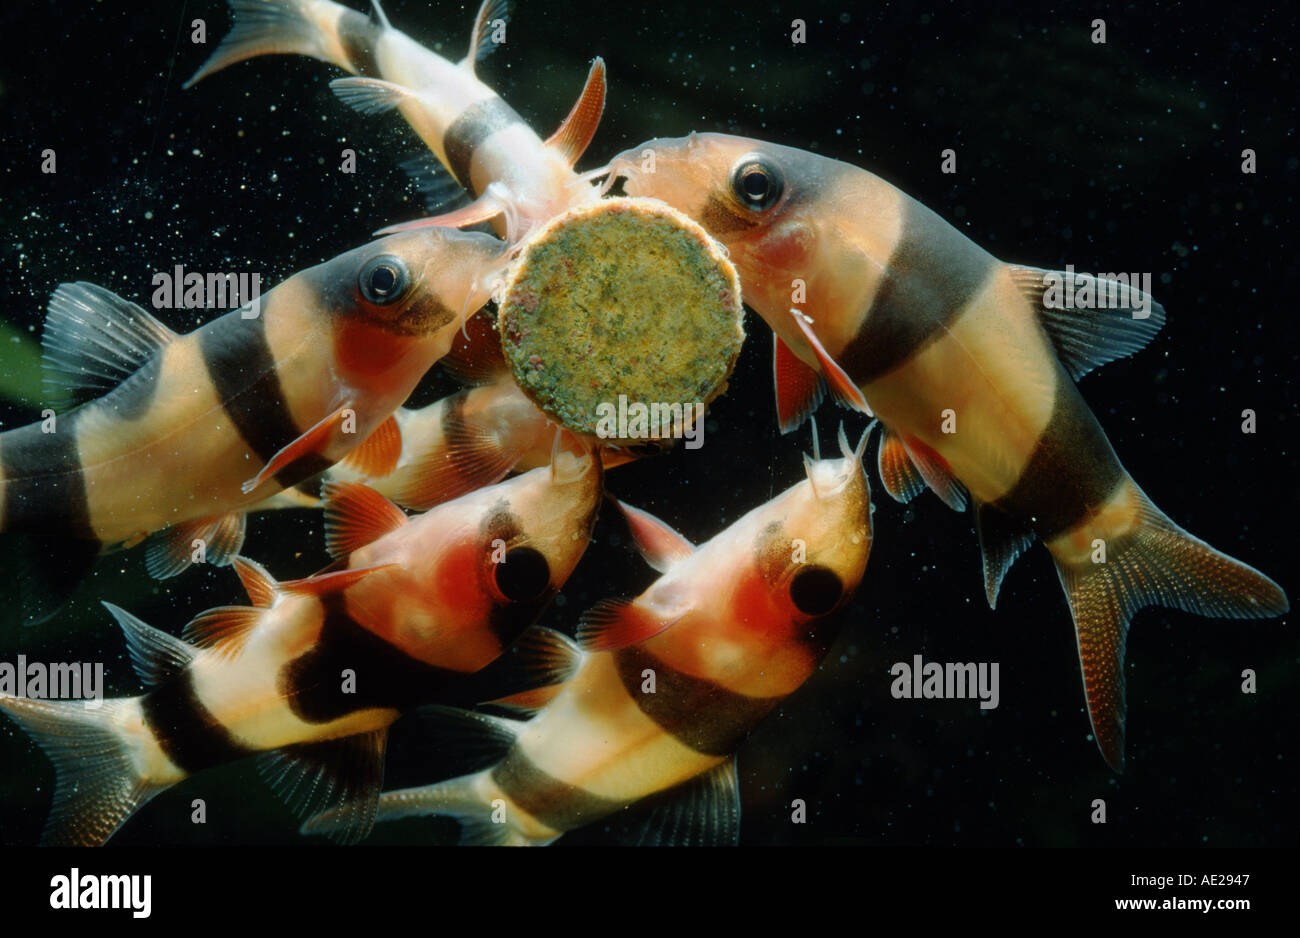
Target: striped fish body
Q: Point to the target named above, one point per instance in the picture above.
(479, 138)
(971, 372)
(460, 443)
(301, 383)
(313, 674)
(748, 616)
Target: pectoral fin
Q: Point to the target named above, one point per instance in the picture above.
(314, 442)
(799, 388)
(840, 384)
(342, 776)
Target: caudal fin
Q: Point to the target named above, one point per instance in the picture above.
(1155, 563)
(267, 27)
(96, 786)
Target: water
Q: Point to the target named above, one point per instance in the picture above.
(1118, 156)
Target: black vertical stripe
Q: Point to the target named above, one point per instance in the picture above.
(933, 273)
(1072, 471)
(359, 36)
(185, 729)
(243, 373)
(557, 804)
(44, 486)
(698, 713)
(467, 132)
(386, 677)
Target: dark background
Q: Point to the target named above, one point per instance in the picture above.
(1123, 156)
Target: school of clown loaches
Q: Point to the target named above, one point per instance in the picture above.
(453, 525)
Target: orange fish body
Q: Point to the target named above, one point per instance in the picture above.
(971, 369)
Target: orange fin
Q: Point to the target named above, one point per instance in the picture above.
(324, 583)
(314, 440)
(1154, 563)
(485, 208)
(659, 544)
(378, 454)
(937, 474)
(171, 551)
(224, 629)
(617, 623)
(259, 584)
(468, 457)
(356, 515)
(901, 479)
(799, 388)
(840, 384)
(571, 140)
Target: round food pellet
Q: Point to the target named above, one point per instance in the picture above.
(622, 304)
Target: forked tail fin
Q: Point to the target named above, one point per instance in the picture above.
(1155, 563)
(96, 786)
(267, 27)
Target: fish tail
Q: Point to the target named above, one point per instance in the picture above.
(268, 27)
(97, 786)
(1151, 561)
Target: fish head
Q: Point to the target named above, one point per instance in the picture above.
(476, 571)
(553, 510)
(415, 284)
(776, 209)
(812, 542)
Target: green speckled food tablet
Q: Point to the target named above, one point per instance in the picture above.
(626, 297)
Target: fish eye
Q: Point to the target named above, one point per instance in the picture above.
(815, 590)
(383, 279)
(756, 182)
(523, 575)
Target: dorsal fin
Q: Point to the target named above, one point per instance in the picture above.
(575, 133)
(223, 629)
(481, 44)
(93, 341)
(660, 545)
(1087, 338)
(259, 584)
(356, 515)
(155, 655)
